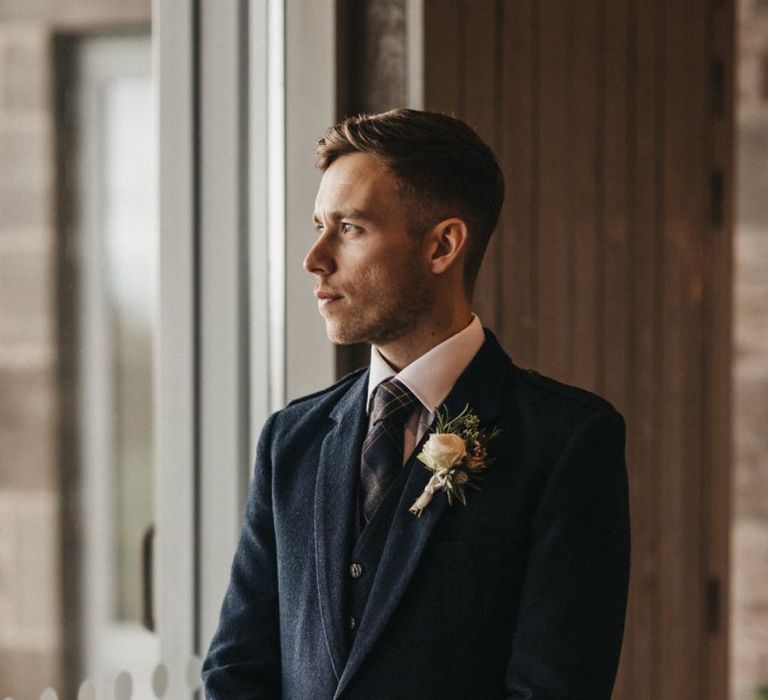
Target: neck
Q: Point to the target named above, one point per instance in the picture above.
(401, 352)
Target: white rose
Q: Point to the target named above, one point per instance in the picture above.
(444, 450)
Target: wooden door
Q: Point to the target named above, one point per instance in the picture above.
(611, 268)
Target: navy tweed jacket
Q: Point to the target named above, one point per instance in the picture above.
(519, 594)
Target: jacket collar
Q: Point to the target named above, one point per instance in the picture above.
(335, 502)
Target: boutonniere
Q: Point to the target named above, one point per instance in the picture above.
(456, 453)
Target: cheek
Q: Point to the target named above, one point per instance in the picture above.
(384, 275)
(374, 281)
(367, 272)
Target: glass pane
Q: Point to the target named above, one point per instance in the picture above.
(130, 237)
(116, 242)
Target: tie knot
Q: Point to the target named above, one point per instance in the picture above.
(393, 402)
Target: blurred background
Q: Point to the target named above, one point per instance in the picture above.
(156, 190)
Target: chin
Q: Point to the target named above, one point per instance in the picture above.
(341, 340)
(374, 330)
(342, 336)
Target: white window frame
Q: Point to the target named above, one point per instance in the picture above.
(173, 23)
(414, 41)
(245, 88)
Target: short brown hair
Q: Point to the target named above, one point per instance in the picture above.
(441, 164)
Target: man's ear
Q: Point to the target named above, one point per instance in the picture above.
(447, 243)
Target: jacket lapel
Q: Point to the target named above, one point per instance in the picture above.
(337, 479)
(479, 386)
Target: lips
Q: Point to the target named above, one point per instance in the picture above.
(326, 299)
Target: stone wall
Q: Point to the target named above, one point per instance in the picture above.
(29, 592)
(32, 608)
(749, 667)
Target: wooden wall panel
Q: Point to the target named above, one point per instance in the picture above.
(686, 211)
(518, 147)
(615, 215)
(609, 271)
(443, 55)
(584, 128)
(641, 653)
(717, 302)
(554, 187)
(478, 93)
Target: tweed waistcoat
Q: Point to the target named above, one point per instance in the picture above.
(367, 549)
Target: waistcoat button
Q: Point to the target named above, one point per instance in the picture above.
(355, 570)
(352, 622)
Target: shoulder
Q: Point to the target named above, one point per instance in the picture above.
(539, 403)
(307, 411)
(553, 391)
(338, 388)
(549, 414)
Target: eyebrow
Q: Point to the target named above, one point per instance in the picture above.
(350, 214)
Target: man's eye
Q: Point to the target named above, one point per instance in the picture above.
(349, 228)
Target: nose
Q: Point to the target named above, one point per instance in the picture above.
(319, 259)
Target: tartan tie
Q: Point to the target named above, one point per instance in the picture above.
(382, 457)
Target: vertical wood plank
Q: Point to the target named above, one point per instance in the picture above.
(642, 451)
(586, 183)
(685, 196)
(518, 159)
(718, 329)
(615, 272)
(443, 51)
(554, 196)
(478, 109)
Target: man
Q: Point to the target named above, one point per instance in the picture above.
(386, 551)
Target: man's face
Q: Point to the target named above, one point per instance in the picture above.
(372, 280)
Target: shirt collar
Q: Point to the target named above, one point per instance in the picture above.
(431, 376)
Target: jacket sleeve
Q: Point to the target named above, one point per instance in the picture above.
(243, 661)
(571, 620)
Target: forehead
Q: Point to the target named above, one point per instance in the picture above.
(357, 181)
